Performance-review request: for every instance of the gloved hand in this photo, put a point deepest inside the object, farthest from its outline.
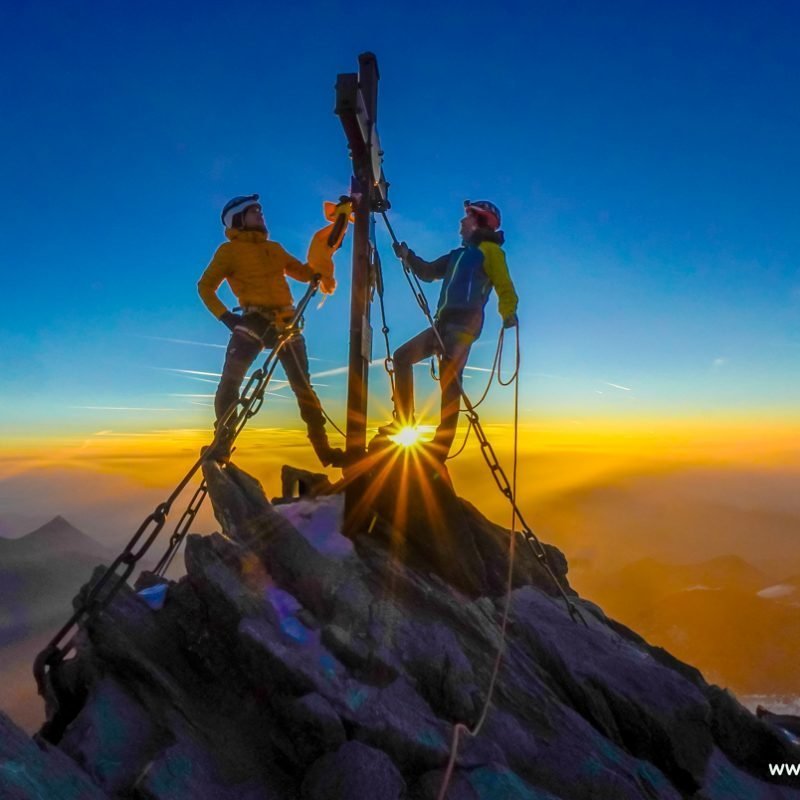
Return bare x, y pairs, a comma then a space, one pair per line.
401, 250
230, 320
510, 321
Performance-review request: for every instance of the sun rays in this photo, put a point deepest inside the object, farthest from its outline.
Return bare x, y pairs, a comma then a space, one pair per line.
408, 437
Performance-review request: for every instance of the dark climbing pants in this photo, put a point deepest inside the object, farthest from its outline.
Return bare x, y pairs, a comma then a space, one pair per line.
243, 350
457, 342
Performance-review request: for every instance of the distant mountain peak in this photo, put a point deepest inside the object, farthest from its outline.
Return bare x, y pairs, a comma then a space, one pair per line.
59, 535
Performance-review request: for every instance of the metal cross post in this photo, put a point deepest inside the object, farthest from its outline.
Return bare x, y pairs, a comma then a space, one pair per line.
357, 108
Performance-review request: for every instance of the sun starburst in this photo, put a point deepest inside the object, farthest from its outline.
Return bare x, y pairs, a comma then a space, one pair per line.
407, 437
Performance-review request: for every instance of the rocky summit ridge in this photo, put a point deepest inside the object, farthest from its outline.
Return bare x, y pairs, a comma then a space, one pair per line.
291, 662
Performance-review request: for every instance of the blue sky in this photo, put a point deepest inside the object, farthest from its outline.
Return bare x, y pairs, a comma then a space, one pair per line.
644, 157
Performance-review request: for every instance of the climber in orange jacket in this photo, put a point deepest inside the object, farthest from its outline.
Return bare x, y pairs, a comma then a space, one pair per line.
256, 269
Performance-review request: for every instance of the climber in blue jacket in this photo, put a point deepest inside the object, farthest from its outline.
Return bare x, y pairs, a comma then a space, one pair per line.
468, 275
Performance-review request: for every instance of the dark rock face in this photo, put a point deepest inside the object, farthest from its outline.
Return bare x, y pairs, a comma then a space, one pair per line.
352, 772
31, 769
293, 663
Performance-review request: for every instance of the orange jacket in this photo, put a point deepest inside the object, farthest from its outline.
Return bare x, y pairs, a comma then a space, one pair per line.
256, 270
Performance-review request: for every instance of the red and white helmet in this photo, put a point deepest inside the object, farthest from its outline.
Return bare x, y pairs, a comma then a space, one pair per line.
488, 213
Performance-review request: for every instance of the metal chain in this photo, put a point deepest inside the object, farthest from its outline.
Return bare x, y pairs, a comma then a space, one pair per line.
489, 454
504, 486
95, 602
388, 362
413, 281
251, 402
181, 529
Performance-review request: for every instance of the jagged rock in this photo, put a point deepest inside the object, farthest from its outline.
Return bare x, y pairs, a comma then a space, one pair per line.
112, 737
789, 723
301, 483
482, 783
31, 770
432, 654
423, 520
651, 711
749, 742
369, 663
248, 518
495, 780
313, 726
724, 781
287, 664
187, 769
354, 772
429, 785
491, 542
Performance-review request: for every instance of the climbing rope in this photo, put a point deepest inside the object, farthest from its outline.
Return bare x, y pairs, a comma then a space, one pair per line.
461, 727
515, 374
494, 371
460, 450
101, 594
333, 424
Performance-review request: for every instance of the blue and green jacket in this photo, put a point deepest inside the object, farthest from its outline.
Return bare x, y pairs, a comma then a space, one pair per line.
468, 274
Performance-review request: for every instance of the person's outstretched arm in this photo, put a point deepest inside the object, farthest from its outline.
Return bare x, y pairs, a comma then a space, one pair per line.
294, 267
425, 270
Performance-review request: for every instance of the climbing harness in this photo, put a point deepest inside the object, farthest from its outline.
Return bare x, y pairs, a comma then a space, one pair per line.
100, 595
